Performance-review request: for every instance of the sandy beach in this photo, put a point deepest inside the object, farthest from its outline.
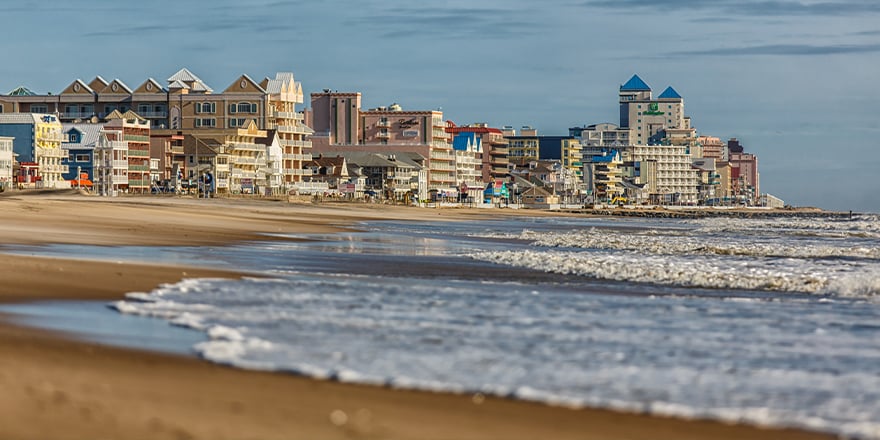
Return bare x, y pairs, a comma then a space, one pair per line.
55, 387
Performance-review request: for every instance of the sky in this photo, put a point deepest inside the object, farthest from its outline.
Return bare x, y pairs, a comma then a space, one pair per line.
795, 81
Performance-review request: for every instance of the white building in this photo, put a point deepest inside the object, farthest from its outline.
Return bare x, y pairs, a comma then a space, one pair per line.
7, 159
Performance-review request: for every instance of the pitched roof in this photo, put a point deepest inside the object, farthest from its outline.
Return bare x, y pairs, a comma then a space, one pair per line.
89, 132
184, 75
177, 84
669, 93
21, 91
635, 84
116, 86
462, 141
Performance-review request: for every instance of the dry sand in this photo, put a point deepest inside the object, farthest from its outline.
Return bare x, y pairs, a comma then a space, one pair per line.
52, 387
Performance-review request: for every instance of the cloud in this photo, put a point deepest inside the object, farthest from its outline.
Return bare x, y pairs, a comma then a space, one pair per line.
785, 50
775, 8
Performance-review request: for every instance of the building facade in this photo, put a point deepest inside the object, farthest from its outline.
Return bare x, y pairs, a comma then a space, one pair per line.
37, 142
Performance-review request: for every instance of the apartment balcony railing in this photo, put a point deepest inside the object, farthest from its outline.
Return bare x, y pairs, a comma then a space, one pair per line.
138, 153
154, 114
294, 143
54, 169
289, 115
300, 129
136, 138
300, 157
77, 115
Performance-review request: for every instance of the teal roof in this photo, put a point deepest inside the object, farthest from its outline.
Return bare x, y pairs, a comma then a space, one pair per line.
635, 84
21, 91
669, 93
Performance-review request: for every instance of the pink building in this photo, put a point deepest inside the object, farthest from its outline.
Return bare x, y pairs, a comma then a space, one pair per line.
744, 176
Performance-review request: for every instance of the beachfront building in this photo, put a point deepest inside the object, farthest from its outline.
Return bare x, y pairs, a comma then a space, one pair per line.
604, 176
712, 148
744, 177
166, 150
79, 144
340, 126
523, 147
135, 132
707, 177
566, 149
675, 180
283, 94
37, 142
184, 105
397, 175
7, 162
495, 149
468, 149
110, 162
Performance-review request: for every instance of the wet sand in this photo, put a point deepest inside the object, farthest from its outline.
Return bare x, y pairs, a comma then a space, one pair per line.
54, 387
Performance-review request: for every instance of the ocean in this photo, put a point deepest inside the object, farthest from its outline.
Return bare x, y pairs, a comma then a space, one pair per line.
768, 321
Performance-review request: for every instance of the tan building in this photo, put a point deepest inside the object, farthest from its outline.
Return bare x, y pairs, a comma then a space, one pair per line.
523, 147
186, 104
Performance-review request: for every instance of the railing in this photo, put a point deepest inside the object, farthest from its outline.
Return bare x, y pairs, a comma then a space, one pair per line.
136, 138
294, 143
138, 168
383, 124
54, 169
292, 128
139, 153
56, 137
246, 147
289, 115
300, 157
73, 115
160, 114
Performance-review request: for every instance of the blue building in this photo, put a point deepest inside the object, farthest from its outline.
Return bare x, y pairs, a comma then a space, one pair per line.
80, 147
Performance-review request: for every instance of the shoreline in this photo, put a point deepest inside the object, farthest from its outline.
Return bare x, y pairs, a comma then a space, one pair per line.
58, 387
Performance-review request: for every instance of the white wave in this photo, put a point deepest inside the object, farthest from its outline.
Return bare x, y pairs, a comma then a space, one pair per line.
693, 272
867, 226
671, 243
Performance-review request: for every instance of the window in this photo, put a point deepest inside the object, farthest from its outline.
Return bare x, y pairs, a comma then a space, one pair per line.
233, 122
144, 109
206, 122
73, 137
206, 107
244, 107
39, 108
1, 108
82, 157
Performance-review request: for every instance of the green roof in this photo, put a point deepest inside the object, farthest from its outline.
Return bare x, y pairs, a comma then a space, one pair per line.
21, 91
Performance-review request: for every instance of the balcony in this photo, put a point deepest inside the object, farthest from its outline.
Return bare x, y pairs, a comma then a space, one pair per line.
159, 114
289, 115
246, 147
138, 153
77, 115
383, 124
294, 143
383, 135
300, 157
136, 138
300, 129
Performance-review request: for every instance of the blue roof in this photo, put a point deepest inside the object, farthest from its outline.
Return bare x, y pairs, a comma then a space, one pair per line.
460, 141
669, 93
635, 84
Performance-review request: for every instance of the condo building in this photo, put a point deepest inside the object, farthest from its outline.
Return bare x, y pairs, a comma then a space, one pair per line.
495, 149
186, 104
523, 147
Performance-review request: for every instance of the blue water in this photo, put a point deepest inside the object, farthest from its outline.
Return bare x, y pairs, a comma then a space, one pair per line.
767, 321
